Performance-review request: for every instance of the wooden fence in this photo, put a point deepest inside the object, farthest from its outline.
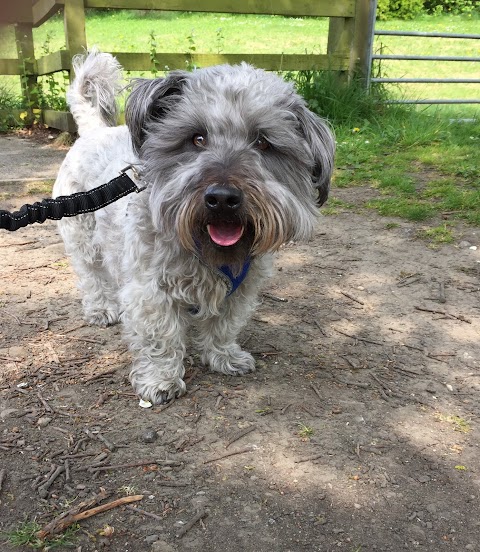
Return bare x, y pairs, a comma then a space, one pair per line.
349, 38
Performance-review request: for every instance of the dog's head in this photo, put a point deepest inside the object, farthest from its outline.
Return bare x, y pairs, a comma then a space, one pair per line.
237, 163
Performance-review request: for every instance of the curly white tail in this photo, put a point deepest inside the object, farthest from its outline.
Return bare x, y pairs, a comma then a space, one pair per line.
92, 97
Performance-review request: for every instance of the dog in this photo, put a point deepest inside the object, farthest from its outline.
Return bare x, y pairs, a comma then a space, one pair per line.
234, 166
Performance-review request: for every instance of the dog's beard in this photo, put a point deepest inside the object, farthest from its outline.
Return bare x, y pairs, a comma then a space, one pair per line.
262, 226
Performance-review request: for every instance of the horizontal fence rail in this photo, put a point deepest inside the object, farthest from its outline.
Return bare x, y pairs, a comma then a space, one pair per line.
349, 35
398, 57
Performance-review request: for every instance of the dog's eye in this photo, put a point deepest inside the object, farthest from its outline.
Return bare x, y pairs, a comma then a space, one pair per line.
261, 143
199, 140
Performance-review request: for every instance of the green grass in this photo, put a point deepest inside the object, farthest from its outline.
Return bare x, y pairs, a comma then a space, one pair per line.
128, 31
25, 534
417, 164
305, 431
420, 165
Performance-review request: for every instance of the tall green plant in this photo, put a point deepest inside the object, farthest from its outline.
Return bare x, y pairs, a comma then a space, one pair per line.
53, 87
338, 100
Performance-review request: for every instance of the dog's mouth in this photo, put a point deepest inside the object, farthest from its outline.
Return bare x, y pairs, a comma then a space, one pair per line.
225, 234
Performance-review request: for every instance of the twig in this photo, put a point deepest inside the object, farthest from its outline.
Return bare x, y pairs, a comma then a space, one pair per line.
43, 489
285, 408
144, 512
18, 243
241, 451
444, 313
275, 298
409, 282
240, 434
47, 407
309, 458
359, 338
317, 392
352, 297
353, 383
3, 476
196, 518
98, 376
79, 444
441, 293
169, 463
63, 522
110, 446
85, 339
381, 383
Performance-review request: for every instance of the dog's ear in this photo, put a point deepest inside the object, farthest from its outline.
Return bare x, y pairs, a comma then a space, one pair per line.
321, 140
149, 100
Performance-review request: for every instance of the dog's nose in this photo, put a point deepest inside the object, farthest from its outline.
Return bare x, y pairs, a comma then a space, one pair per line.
218, 198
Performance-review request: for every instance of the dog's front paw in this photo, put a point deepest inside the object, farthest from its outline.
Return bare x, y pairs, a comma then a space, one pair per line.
232, 361
150, 386
101, 317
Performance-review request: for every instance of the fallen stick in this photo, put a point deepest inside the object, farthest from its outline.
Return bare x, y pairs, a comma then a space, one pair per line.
316, 391
200, 515
240, 434
174, 463
241, 451
444, 313
45, 404
309, 458
110, 446
275, 298
84, 339
3, 475
357, 338
60, 524
43, 489
144, 512
352, 298
102, 495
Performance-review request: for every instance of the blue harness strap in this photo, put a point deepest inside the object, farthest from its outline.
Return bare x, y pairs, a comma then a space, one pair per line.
234, 282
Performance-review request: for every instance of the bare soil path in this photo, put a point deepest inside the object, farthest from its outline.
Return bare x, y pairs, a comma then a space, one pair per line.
358, 432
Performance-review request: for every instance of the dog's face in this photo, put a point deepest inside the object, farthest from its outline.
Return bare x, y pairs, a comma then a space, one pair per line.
234, 159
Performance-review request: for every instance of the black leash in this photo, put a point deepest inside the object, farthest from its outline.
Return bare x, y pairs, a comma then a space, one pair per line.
70, 206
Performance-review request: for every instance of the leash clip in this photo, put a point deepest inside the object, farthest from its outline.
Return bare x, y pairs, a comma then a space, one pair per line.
136, 176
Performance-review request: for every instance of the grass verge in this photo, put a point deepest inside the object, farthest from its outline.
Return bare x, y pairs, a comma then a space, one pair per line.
418, 165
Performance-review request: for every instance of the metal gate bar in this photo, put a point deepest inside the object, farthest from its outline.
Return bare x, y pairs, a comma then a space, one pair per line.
427, 58
433, 35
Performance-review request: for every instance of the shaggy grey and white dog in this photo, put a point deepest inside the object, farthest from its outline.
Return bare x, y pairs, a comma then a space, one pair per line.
234, 165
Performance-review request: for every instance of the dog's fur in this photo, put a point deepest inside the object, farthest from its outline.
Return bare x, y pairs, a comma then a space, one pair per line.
233, 161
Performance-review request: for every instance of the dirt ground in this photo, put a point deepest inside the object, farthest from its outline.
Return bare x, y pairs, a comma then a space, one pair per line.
358, 432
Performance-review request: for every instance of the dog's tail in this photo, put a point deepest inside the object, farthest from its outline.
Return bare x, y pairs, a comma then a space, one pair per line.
92, 96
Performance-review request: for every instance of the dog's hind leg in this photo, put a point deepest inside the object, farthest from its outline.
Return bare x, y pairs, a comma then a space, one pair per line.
99, 291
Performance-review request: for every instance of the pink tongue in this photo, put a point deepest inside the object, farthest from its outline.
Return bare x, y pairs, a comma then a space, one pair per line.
224, 233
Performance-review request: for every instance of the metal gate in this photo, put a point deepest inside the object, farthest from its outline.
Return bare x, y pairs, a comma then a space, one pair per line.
414, 57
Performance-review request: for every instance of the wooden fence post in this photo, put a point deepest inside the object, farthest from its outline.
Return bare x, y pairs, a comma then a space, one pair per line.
74, 24
26, 60
364, 28
340, 41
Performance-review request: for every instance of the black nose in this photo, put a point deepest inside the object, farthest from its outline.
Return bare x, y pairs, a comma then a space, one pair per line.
218, 198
